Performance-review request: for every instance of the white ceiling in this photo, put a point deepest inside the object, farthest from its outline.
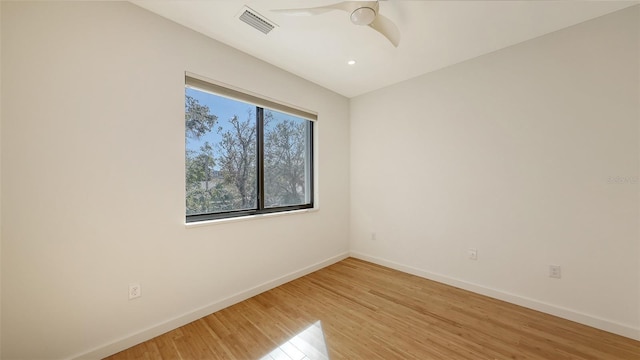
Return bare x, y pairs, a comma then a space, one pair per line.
435, 34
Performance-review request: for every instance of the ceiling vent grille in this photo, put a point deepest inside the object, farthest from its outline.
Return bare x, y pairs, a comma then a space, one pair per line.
256, 21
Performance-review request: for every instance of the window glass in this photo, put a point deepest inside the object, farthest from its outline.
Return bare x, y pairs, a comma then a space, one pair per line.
286, 159
242, 159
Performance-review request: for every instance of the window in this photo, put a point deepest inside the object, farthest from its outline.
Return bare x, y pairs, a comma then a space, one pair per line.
244, 155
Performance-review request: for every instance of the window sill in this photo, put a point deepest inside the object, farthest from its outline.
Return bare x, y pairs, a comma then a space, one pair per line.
246, 218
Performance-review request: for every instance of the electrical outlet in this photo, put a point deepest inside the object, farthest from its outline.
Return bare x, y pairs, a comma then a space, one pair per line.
555, 271
473, 254
374, 236
134, 291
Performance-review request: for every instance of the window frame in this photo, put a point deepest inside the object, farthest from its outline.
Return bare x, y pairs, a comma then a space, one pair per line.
261, 103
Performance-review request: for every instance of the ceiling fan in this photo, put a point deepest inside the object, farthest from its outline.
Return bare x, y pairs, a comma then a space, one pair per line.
363, 13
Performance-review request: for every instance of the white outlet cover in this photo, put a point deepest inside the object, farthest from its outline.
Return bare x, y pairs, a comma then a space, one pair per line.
134, 291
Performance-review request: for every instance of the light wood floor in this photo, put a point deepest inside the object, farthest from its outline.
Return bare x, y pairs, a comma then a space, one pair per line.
371, 312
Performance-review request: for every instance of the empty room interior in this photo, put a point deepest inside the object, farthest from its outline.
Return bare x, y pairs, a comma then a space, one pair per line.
268, 179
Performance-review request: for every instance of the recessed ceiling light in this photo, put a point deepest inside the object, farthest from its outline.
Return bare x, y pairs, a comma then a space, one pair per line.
351, 62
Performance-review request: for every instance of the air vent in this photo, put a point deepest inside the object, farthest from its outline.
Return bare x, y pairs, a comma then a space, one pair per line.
256, 21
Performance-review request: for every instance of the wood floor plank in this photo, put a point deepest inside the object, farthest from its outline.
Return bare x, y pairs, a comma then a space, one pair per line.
165, 348
371, 312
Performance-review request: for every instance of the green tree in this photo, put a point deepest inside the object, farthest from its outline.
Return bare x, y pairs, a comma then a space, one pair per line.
285, 162
237, 159
198, 118
199, 176
202, 193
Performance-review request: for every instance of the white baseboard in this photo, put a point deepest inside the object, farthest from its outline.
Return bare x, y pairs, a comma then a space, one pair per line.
170, 324
589, 320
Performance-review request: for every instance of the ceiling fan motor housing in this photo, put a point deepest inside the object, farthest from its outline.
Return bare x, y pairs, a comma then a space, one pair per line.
363, 16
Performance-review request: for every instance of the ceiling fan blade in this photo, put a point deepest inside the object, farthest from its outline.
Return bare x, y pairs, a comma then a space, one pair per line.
386, 27
304, 11
347, 6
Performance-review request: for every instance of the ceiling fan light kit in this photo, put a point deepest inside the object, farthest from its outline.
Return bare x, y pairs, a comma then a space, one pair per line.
363, 13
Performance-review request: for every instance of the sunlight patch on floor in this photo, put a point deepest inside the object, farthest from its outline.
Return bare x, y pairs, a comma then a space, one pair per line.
309, 344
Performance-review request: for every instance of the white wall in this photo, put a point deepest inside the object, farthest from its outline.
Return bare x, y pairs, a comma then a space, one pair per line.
0, 180
512, 153
93, 181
